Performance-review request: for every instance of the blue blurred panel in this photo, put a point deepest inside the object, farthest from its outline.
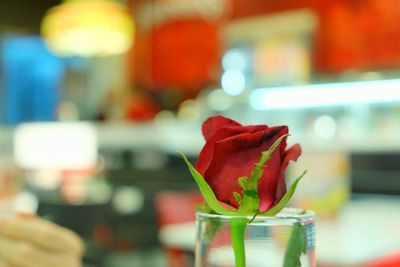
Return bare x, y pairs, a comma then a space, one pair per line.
32, 80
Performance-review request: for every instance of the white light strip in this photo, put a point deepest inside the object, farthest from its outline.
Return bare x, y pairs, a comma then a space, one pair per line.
321, 95
55, 145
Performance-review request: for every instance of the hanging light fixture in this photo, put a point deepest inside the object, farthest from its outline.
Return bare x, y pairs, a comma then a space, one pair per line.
88, 28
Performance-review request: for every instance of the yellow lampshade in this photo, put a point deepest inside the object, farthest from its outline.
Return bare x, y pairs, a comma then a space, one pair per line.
88, 28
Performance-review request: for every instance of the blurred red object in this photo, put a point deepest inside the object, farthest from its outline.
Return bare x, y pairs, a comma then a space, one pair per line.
103, 235
174, 208
339, 45
358, 35
378, 21
391, 260
141, 109
181, 54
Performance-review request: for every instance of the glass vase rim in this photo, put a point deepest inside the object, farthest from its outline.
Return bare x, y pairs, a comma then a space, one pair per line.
285, 213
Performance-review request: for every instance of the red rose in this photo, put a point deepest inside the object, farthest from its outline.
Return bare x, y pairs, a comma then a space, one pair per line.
232, 150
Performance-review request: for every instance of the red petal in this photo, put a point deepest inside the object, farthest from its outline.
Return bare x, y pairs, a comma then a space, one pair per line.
267, 186
213, 124
233, 157
207, 153
292, 153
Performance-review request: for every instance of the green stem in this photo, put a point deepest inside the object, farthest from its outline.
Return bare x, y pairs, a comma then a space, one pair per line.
238, 228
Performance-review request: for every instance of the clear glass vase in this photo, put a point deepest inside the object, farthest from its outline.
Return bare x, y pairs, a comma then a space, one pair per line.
284, 240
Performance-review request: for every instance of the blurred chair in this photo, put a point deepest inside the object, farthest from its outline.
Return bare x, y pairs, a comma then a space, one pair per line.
173, 207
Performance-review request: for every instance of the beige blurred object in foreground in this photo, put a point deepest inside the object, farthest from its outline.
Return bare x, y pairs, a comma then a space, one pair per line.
28, 241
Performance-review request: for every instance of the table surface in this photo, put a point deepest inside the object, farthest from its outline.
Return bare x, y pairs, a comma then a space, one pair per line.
364, 230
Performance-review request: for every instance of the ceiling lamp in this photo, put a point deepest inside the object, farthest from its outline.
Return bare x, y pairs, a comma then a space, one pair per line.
88, 28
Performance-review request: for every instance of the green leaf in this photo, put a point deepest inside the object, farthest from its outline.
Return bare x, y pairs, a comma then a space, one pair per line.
295, 247
206, 190
285, 199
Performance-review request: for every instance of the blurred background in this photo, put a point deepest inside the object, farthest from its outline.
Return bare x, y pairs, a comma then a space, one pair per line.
97, 95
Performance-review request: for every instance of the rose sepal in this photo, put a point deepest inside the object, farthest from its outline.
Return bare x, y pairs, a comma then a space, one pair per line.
206, 190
